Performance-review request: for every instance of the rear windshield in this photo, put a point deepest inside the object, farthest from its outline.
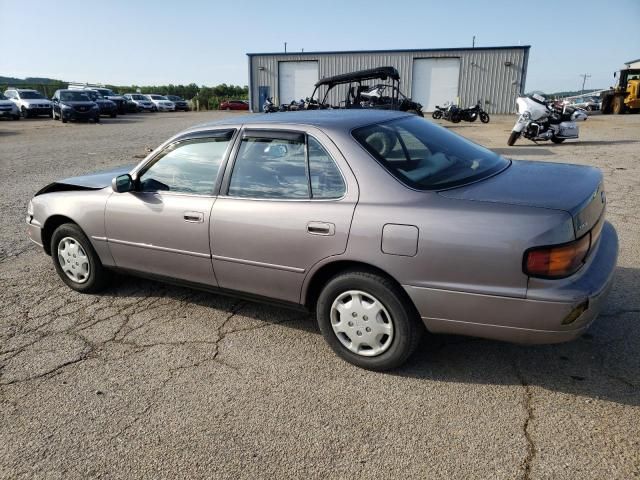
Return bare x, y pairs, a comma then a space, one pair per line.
425, 156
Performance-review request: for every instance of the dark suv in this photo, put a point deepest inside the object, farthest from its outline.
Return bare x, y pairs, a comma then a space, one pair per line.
181, 103
74, 105
106, 106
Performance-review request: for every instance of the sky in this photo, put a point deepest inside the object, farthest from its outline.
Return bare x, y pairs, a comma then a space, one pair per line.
205, 42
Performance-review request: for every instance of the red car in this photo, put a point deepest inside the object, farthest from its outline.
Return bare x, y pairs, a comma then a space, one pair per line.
234, 105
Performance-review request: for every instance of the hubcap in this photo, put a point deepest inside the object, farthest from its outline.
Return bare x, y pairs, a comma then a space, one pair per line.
361, 323
73, 260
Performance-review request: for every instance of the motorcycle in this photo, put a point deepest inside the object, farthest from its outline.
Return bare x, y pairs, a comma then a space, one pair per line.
269, 106
542, 120
471, 114
449, 112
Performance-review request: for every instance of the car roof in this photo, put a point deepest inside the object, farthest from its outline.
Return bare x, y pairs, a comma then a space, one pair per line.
333, 119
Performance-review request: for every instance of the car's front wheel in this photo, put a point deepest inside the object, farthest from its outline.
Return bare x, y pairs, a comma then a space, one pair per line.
75, 260
368, 321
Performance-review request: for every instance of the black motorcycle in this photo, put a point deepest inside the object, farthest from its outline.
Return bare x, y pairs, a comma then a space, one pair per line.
471, 114
449, 112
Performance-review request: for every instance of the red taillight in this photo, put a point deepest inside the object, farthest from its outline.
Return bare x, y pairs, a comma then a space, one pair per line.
557, 261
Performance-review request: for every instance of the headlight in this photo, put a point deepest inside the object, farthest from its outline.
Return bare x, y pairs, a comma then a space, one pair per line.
526, 115
64, 106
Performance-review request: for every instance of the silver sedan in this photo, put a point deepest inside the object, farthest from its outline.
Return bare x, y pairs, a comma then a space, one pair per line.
382, 223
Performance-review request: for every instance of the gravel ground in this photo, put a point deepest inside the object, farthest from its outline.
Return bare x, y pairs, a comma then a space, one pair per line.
152, 381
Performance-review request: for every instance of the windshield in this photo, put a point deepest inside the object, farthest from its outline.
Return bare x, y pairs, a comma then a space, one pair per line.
93, 95
158, 97
426, 156
138, 97
75, 96
2, 97
31, 95
174, 98
105, 92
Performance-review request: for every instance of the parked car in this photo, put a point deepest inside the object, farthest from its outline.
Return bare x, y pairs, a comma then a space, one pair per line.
31, 103
234, 105
382, 223
142, 103
8, 109
161, 103
591, 104
179, 102
105, 92
74, 105
107, 107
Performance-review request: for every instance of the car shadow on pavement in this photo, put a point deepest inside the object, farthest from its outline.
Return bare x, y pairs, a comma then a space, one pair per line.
598, 142
601, 364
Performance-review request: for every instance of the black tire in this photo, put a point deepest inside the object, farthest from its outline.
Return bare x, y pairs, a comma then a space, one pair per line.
64, 120
456, 117
407, 326
15, 117
618, 105
96, 119
113, 115
437, 114
24, 112
484, 117
557, 140
512, 138
97, 278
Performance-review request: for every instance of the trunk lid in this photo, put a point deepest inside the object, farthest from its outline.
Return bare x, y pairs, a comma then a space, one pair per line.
576, 189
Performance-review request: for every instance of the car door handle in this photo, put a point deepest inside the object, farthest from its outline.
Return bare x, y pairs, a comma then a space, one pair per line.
193, 217
321, 228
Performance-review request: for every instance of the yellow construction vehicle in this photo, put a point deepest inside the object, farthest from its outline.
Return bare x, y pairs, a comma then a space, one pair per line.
625, 96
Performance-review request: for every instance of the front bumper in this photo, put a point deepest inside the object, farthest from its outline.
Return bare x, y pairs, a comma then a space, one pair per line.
536, 319
9, 113
72, 114
35, 112
34, 231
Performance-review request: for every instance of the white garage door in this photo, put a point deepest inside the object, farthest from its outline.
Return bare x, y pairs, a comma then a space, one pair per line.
435, 81
296, 80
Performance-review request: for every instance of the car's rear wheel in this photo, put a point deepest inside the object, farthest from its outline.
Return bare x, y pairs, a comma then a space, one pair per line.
368, 321
75, 260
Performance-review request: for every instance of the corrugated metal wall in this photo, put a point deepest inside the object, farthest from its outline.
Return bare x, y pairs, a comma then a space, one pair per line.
483, 73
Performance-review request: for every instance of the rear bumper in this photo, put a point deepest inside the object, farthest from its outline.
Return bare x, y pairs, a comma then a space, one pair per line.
536, 319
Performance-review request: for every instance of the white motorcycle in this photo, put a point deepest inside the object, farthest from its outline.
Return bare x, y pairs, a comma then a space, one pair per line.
540, 120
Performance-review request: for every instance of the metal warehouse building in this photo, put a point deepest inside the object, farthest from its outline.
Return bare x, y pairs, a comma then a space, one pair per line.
494, 75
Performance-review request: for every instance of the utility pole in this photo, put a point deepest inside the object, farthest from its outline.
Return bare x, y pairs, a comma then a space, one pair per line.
285, 47
473, 44
584, 79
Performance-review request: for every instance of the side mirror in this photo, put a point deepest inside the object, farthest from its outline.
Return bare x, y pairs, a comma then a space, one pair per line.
123, 183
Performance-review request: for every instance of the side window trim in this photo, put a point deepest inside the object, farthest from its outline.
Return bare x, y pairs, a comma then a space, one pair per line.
231, 132
234, 151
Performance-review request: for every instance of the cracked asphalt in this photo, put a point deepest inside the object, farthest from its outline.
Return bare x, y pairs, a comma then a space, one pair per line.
152, 381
